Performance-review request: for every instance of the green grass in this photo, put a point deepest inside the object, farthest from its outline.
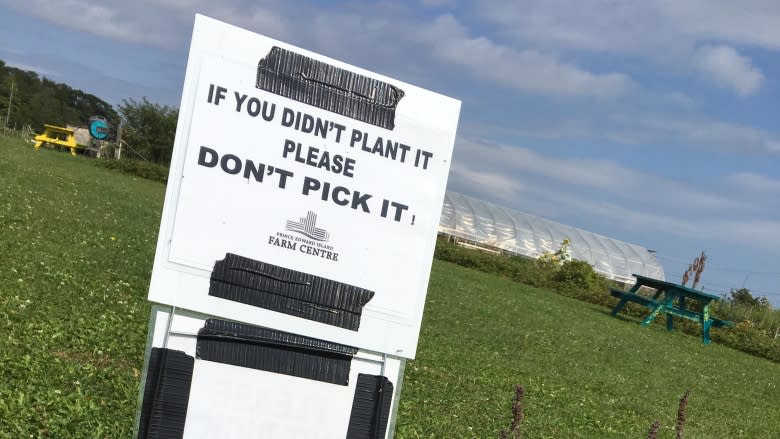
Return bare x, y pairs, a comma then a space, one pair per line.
76, 253
586, 374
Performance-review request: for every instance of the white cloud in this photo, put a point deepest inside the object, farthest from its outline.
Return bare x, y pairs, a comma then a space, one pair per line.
662, 26
528, 70
726, 67
437, 3
620, 199
707, 133
604, 177
747, 231
487, 183
755, 182
664, 32
159, 23
104, 19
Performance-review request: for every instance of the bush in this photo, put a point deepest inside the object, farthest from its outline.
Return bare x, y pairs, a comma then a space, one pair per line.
575, 275
755, 326
148, 170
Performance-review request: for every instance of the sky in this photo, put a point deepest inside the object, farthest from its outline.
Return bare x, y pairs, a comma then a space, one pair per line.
652, 122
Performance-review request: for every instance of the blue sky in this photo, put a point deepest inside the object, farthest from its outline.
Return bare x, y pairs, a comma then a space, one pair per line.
653, 122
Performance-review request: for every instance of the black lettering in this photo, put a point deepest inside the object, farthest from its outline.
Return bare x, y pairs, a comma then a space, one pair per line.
239, 101
253, 107
336, 164
391, 149
283, 175
360, 200
308, 123
288, 117
378, 146
310, 184
427, 155
349, 167
325, 161
321, 129
221, 93
339, 129
224, 163
338, 200
399, 208
357, 136
311, 156
250, 169
404, 150
268, 115
212, 159
289, 146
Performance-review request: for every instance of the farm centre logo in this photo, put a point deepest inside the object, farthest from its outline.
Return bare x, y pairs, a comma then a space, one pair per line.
307, 226
313, 241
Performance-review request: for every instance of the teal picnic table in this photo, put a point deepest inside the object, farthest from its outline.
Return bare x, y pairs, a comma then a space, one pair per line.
671, 299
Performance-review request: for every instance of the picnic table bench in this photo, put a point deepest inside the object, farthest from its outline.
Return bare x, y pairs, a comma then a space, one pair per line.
670, 299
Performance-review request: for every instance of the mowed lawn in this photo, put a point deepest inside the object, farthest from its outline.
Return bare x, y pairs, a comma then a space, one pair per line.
586, 374
76, 253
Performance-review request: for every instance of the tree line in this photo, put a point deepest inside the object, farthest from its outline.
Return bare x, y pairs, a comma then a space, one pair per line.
148, 128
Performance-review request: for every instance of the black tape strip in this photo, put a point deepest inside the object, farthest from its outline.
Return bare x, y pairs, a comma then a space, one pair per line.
166, 395
331, 88
292, 292
370, 408
274, 351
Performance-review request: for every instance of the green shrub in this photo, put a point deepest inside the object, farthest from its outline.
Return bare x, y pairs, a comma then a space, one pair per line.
755, 326
575, 275
140, 168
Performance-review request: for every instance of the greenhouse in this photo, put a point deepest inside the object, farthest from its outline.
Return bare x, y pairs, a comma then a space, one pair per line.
489, 227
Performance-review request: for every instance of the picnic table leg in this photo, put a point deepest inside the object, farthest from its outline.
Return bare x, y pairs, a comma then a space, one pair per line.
618, 307
653, 314
669, 321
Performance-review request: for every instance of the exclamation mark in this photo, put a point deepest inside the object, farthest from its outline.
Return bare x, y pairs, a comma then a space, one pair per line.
413, 216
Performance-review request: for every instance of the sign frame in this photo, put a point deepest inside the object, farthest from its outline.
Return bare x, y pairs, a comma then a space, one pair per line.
180, 276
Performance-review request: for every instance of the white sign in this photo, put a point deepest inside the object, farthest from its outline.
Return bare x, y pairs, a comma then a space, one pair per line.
286, 177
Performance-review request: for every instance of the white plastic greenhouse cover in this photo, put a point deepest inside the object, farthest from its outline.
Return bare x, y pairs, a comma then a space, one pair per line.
494, 226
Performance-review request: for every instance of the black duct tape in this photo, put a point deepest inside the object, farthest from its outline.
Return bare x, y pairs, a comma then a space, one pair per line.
331, 88
274, 351
268, 286
370, 408
166, 395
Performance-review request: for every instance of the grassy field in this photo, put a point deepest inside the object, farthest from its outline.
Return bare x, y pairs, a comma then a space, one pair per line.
75, 257
76, 252
586, 374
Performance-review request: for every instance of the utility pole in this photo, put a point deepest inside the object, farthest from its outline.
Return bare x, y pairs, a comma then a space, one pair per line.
10, 101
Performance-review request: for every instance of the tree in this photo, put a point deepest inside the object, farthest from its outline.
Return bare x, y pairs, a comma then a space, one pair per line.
149, 128
38, 100
743, 296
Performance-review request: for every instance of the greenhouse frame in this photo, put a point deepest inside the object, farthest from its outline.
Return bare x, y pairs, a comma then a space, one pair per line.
489, 227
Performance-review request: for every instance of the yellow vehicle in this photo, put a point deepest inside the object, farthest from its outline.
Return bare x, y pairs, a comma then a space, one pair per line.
57, 136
